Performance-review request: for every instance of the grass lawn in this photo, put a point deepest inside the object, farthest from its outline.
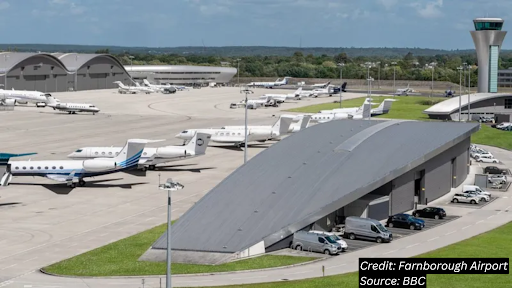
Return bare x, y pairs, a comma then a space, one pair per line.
411, 108
120, 259
493, 244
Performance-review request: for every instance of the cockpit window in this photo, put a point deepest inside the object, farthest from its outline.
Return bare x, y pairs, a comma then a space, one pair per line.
185, 132
78, 151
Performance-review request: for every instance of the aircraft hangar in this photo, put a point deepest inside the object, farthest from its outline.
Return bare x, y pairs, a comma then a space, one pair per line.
56, 72
316, 178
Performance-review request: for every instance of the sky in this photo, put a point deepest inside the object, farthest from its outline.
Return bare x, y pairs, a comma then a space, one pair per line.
439, 24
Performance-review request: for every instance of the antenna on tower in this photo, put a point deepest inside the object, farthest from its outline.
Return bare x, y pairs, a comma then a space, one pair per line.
204, 47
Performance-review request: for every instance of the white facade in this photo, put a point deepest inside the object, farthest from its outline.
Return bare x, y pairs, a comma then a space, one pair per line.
176, 74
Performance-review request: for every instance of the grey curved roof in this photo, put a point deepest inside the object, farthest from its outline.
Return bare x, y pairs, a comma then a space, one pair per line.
75, 61
10, 59
305, 177
179, 68
451, 105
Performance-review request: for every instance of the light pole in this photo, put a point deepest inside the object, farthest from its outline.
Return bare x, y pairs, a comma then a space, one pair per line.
370, 79
378, 65
394, 74
368, 65
460, 90
238, 74
469, 92
432, 66
131, 67
169, 186
246, 91
341, 78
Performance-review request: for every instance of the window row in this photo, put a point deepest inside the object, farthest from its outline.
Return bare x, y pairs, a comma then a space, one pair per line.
38, 168
187, 72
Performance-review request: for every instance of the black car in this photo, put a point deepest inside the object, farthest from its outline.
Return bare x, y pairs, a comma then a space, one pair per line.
430, 212
493, 170
405, 221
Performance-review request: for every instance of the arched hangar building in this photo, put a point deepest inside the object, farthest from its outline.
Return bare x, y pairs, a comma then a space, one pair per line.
55, 72
316, 178
178, 74
478, 104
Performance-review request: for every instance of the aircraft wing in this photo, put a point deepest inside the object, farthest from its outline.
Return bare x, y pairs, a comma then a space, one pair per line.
229, 139
57, 177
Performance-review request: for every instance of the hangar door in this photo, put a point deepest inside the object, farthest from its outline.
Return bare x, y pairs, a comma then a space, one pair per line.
379, 209
98, 80
35, 82
13, 82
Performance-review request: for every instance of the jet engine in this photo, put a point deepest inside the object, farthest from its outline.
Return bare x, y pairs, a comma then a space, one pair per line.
171, 152
21, 102
41, 104
9, 102
96, 165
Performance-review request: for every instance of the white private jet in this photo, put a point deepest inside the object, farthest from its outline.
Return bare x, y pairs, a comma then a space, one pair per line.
72, 172
322, 91
321, 85
151, 156
301, 124
280, 98
163, 87
406, 91
12, 97
123, 89
270, 84
71, 108
237, 136
326, 117
383, 108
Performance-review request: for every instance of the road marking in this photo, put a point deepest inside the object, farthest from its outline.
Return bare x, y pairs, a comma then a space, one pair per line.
300, 272
433, 239
3, 284
97, 227
466, 227
412, 245
9, 266
332, 267
389, 252
150, 218
103, 234
490, 217
449, 233
479, 221
29, 260
194, 281
505, 197
254, 277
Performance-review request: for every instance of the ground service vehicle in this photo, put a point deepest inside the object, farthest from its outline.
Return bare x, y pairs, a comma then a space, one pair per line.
315, 242
365, 228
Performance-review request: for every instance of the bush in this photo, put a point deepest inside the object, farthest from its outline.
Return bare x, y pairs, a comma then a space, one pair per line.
430, 102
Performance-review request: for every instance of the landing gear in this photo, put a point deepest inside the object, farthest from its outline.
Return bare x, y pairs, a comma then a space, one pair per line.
152, 167
81, 183
240, 145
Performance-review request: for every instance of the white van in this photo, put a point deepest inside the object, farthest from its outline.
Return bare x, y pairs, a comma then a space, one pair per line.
340, 241
366, 228
315, 242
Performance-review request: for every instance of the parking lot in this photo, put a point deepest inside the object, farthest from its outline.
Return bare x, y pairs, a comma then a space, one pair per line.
398, 233
473, 206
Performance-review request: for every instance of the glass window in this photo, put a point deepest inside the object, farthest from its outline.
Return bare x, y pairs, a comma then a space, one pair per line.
110, 153
508, 103
374, 229
61, 167
46, 167
78, 151
145, 153
38, 167
96, 153
17, 168
321, 240
330, 239
382, 228
102, 153
53, 167
24, 168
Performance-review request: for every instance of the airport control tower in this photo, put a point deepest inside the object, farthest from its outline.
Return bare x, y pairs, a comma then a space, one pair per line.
488, 38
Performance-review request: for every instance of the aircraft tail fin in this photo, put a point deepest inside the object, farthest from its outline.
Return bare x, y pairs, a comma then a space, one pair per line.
146, 82
120, 84
282, 125
50, 100
386, 105
304, 122
137, 84
367, 110
298, 91
131, 152
198, 143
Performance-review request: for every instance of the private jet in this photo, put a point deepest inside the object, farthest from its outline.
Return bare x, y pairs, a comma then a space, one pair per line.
302, 122
383, 108
321, 85
151, 156
71, 108
163, 88
326, 117
237, 136
73, 172
280, 98
278, 82
123, 89
13, 97
324, 91
406, 91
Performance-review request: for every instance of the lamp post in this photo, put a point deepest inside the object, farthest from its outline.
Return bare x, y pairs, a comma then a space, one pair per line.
469, 92
131, 67
370, 79
378, 65
238, 73
169, 186
341, 78
394, 74
460, 90
432, 66
246, 91
368, 65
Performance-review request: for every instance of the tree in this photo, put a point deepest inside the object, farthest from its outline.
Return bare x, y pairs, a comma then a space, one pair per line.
341, 58
102, 51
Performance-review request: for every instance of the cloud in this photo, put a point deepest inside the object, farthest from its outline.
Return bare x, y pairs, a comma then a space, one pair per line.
75, 9
430, 9
210, 7
4, 5
388, 4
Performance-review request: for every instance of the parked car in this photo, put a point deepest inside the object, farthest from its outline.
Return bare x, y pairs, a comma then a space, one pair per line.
487, 159
405, 221
340, 241
430, 212
465, 198
493, 170
366, 228
482, 154
481, 197
501, 179
315, 242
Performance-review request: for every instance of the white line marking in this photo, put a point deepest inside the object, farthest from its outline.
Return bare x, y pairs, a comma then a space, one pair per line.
107, 234
150, 218
97, 227
412, 245
505, 197
195, 281
332, 267
466, 227
479, 221
33, 259
300, 272
433, 239
449, 233
389, 252
254, 277
9, 266
490, 217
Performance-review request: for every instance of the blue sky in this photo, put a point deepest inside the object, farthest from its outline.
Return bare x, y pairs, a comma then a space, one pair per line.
319, 23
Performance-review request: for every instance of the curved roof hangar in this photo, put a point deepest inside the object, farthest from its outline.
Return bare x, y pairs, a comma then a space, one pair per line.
451, 105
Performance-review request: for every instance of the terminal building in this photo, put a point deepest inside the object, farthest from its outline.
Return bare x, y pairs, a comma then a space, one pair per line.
183, 75
56, 72
316, 178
